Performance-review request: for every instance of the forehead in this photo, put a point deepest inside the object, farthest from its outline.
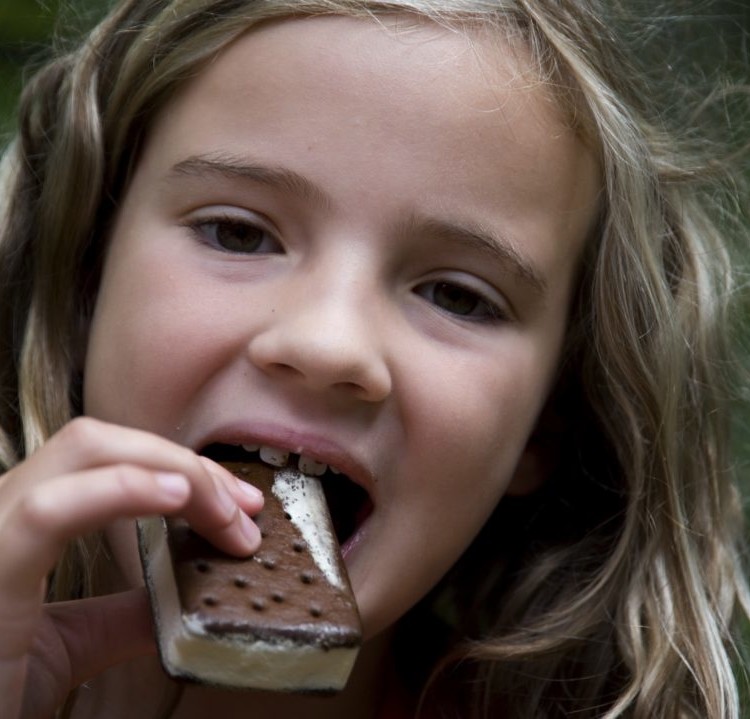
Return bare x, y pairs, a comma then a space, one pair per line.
398, 113
475, 66
400, 73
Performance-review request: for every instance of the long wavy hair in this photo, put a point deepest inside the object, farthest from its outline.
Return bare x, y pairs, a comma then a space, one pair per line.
615, 590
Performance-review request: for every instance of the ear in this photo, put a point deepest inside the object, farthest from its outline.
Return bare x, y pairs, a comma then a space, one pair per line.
542, 454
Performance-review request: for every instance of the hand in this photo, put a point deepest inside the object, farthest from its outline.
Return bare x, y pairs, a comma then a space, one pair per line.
87, 475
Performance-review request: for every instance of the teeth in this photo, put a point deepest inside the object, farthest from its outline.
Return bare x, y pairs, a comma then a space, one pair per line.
273, 456
280, 457
311, 467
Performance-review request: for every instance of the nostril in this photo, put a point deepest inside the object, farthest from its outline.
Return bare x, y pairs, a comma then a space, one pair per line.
346, 363
283, 369
352, 388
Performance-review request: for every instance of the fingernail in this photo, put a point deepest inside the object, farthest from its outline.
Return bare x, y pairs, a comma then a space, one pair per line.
249, 490
173, 484
249, 529
226, 500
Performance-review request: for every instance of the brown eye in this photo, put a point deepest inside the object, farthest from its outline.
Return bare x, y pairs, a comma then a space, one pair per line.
231, 235
240, 237
460, 301
455, 299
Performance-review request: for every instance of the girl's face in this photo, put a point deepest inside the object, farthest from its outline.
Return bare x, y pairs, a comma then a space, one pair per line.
354, 241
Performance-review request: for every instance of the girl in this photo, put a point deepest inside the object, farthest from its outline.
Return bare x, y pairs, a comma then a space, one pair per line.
443, 247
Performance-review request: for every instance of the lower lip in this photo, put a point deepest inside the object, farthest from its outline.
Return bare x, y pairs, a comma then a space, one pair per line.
350, 546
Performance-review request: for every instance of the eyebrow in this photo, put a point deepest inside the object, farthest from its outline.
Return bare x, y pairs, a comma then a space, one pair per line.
231, 167
497, 249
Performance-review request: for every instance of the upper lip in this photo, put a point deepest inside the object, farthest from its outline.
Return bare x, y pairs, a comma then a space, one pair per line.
312, 445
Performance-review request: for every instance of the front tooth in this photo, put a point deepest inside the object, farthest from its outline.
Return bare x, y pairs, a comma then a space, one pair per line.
251, 447
274, 456
311, 467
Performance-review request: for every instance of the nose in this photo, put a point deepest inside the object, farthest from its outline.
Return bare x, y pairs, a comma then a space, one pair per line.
324, 343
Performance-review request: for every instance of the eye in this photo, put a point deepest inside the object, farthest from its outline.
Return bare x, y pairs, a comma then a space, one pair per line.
461, 301
235, 235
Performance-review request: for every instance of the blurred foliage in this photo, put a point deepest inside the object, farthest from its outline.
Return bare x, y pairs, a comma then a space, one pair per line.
709, 33
28, 29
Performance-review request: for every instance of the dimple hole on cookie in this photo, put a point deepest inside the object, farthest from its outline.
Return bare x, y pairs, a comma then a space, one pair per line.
269, 563
299, 546
258, 604
316, 611
241, 583
307, 578
210, 601
277, 597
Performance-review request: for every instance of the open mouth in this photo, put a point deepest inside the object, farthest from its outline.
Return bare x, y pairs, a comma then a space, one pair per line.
348, 503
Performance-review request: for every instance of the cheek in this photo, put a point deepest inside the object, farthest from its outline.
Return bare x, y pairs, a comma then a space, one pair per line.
474, 415
153, 340
481, 409
468, 427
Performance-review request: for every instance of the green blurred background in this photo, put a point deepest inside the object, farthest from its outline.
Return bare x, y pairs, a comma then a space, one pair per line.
26, 31
716, 34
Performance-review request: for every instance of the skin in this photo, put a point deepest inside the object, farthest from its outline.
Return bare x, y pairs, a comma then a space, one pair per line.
363, 322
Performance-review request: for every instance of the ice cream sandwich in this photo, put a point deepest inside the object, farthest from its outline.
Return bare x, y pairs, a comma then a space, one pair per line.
284, 619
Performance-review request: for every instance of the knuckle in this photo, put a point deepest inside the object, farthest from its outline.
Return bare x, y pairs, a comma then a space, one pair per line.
35, 510
128, 479
215, 527
81, 433
227, 520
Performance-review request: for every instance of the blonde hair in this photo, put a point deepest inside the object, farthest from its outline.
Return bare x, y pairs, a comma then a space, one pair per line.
623, 596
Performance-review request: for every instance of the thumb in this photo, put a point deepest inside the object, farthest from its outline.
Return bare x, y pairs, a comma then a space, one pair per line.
103, 631
82, 638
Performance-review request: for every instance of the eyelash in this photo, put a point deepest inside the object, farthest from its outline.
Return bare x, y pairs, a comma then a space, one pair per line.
492, 312
208, 229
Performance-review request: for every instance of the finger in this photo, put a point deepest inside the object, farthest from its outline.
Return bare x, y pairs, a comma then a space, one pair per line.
42, 519
218, 510
32, 534
78, 640
219, 507
249, 498
87, 443
101, 632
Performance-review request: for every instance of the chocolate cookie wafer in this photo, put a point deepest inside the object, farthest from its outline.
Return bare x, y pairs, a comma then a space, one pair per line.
284, 619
